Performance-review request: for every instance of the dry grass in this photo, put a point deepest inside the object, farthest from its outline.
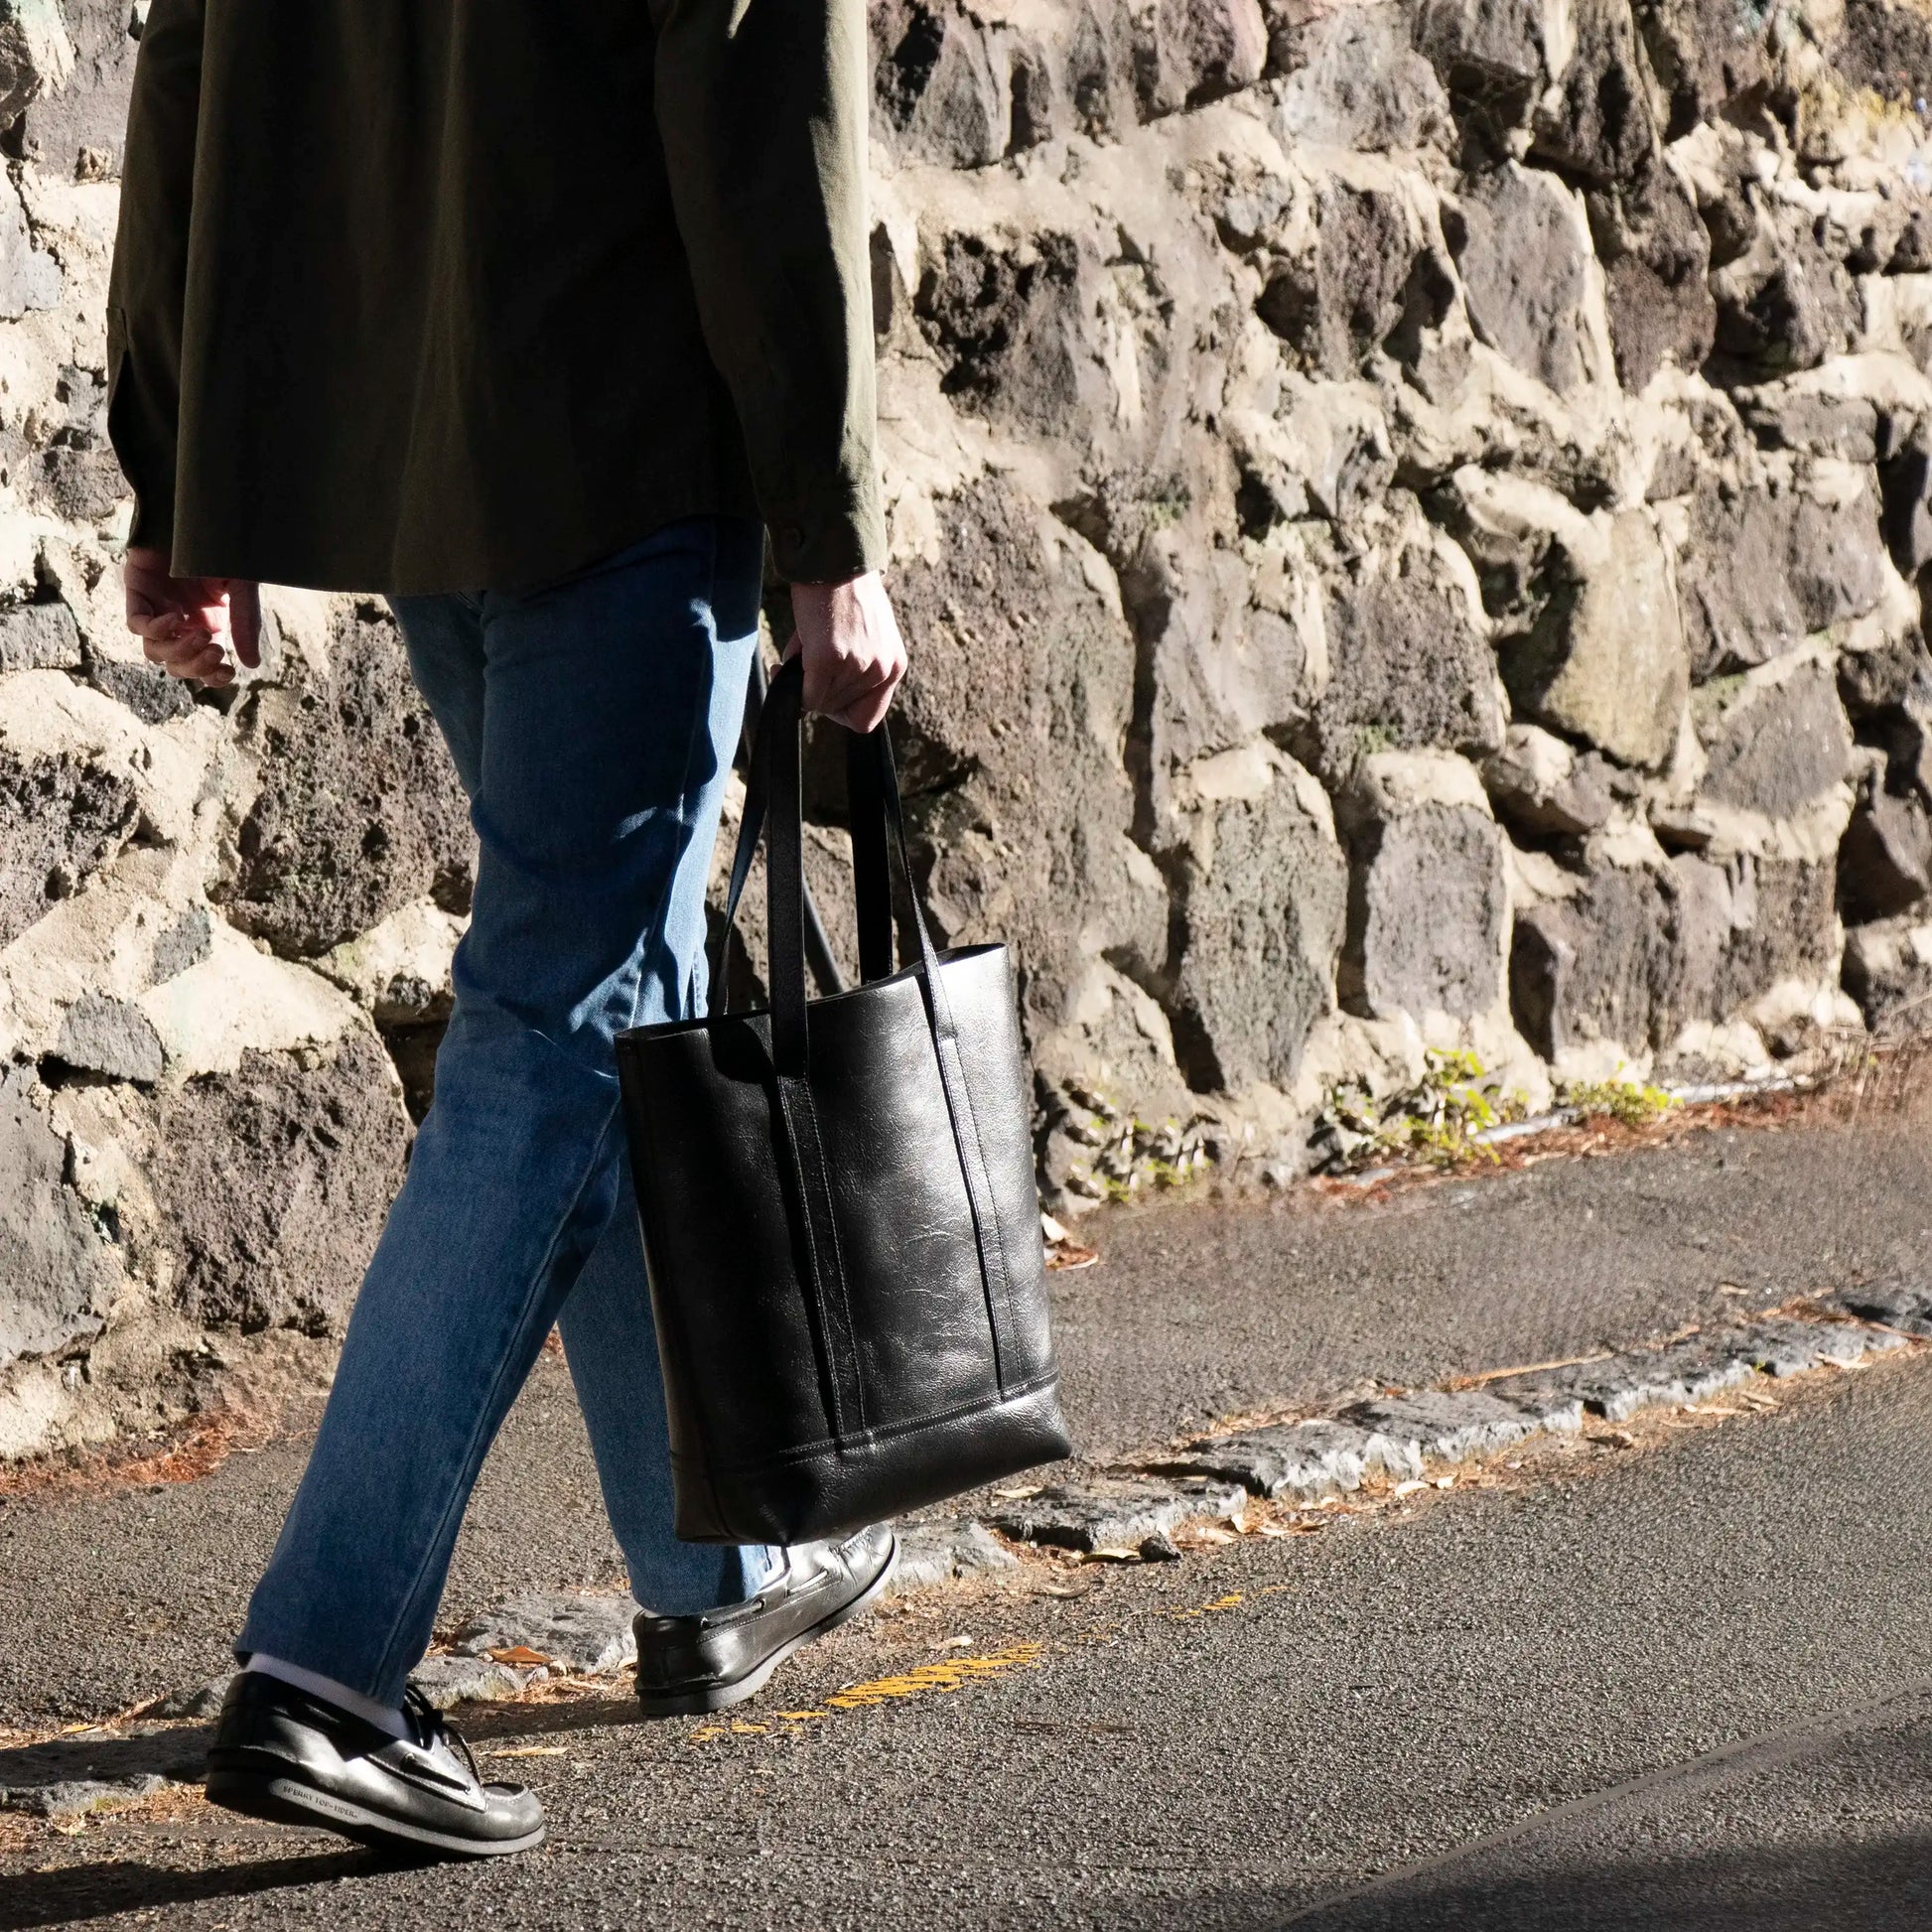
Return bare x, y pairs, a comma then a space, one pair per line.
190, 1449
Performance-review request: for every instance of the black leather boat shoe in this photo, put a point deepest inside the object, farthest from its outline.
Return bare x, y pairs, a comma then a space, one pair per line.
284, 1755
709, 1662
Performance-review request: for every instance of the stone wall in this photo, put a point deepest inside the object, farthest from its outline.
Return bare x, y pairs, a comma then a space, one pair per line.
1408, 514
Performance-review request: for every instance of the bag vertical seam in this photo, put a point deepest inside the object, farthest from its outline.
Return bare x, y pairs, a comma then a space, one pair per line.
979, 1197
838, 1255
818, 1311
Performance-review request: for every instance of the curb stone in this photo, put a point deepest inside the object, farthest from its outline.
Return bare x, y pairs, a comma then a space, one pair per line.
1115, 1512
1617, 1388
578, 1631
1443, 1427
1904, 1305
943, 1552
78, 1797
204, 1701
1319, 1457
450, 1680
1780, 1346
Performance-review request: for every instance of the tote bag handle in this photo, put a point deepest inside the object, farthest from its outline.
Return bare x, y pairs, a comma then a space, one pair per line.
877, 818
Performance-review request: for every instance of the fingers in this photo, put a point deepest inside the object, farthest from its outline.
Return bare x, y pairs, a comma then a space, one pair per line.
246, 622
853, 654
193, 655
868, 712
184, 623
847, 689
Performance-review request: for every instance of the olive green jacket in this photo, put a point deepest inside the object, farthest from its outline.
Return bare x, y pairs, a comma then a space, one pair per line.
431, 295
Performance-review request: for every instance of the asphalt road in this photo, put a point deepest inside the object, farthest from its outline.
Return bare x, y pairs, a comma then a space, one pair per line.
1196, 1312
1534, 1675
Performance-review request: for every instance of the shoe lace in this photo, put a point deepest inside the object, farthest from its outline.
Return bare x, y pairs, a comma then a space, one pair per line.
432, 1727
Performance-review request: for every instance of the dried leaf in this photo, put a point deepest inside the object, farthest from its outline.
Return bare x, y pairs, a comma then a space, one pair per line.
1069, 1254
520, 1654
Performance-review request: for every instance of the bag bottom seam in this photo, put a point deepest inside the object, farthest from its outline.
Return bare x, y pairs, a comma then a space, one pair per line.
871, 1439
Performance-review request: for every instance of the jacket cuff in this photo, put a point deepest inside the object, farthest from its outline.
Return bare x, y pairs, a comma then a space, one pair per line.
154, 524
829, 543
141, 430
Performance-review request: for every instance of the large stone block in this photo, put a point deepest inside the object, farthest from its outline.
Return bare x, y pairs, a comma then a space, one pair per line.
57, 1276
321, 1140
1656, 258
1905, 485
360, 809
1704, 53
30, 277
1354, 80
1770, 564
1010, 324
1885, 861
39, 638
1494, 57
1886, 47
1427, 889
1523, 253
1634, 953
1189, 51
1260, 897
1374, 277
34, 54
1407, 667
109, 1036
77, 123
78, 475
1888, 972
62, 815
1786, 303
1070, 71
1605, 659
1783, 925
1597, 121
1598, 965
942, 84
1545, 786
1776, 741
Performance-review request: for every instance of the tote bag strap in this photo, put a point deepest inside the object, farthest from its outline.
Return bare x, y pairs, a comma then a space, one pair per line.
773, 792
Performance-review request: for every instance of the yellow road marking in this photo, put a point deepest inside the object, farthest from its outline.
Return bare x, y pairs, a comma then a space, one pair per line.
944, 1677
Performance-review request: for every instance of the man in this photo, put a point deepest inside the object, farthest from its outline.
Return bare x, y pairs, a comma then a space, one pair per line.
529, 315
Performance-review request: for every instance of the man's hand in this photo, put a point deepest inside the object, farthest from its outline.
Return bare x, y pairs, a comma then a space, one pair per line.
853, 656
186, 623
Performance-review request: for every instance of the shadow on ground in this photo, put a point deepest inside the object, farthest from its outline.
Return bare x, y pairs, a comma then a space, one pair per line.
76, 1893
1879, 1885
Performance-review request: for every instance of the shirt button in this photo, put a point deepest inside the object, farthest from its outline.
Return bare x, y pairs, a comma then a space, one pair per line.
795, 537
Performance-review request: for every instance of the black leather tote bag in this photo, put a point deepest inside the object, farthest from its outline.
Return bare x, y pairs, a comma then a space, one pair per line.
838, 1206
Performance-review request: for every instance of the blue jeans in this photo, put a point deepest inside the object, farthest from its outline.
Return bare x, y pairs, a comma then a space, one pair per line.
592, 723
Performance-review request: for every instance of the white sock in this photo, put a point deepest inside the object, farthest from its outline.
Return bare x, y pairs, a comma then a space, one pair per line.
384, 1716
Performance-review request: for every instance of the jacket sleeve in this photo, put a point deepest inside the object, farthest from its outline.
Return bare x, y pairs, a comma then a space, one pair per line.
147, 289
762, 106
